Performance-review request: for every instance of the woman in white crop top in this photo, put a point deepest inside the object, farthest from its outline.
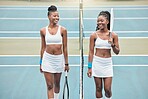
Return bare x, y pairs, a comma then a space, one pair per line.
100, 60
54, 54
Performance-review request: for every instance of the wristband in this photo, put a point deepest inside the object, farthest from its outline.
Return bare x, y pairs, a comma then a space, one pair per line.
89, 65
40, 61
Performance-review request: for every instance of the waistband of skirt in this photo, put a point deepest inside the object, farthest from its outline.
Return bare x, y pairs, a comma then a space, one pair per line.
52, 54
101, 58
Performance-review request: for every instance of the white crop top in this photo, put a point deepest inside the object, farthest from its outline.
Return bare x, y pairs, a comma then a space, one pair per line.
53, 39
102, 44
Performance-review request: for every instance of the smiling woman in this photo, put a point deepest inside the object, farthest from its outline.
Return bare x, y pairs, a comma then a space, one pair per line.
53, 52
100, 62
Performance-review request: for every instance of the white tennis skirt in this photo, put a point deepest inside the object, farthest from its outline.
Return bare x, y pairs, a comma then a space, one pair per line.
52, 63
102, 67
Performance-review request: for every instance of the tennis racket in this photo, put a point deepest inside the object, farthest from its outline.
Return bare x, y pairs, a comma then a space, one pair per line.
111, 26
111, 21
66, 87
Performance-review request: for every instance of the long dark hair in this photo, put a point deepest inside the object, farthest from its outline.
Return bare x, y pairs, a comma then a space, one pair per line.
107, 15
52, 8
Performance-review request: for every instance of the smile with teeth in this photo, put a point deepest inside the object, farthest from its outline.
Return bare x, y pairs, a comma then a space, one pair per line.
56, 20
100, 25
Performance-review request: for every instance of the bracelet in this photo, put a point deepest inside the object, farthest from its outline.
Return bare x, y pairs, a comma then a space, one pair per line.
40, 61
67, 64
89, 65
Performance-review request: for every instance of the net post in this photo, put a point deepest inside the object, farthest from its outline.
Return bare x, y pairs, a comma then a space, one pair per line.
81, 47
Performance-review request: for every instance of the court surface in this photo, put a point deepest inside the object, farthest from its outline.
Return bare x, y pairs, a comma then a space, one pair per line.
20, 47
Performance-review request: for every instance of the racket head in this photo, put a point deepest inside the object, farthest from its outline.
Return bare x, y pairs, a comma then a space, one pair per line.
66, 87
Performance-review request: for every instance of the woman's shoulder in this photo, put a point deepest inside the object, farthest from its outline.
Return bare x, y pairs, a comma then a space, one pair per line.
93, 34
63, 29
43, 30
114, 34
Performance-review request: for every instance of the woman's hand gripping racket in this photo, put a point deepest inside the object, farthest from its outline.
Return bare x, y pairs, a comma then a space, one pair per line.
66, 87
111, 27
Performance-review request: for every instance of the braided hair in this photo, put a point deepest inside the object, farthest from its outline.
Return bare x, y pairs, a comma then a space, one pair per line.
107, 15
52, 8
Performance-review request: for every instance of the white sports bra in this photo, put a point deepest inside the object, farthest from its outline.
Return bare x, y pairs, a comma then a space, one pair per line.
102, 44
53, 39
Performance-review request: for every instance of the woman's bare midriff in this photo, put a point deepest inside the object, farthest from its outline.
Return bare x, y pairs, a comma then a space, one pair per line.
104, 53
54, 49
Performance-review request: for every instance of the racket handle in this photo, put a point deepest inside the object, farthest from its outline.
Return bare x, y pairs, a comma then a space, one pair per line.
66, 73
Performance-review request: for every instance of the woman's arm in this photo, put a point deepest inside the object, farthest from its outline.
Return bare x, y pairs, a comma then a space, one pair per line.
91, 48
90, 55
65, 51
43, 44
115, 45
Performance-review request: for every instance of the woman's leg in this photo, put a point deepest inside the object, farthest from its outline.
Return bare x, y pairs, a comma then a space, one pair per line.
57, 78
49, 81
98, 82
107, 87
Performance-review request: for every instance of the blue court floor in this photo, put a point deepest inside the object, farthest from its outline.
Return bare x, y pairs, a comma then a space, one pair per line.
20, 78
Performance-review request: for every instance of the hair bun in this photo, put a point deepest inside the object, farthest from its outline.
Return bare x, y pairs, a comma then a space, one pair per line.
52, 8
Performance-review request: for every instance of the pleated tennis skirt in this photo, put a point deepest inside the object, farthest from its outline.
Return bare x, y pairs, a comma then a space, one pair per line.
52, 63
102, 67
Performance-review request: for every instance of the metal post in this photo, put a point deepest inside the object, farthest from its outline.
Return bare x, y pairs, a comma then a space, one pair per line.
81, 47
